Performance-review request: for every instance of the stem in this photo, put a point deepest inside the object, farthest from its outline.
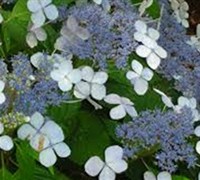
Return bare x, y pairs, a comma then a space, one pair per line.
95, 104
161, 14
73, 101
145, 164
53, 52
2, 164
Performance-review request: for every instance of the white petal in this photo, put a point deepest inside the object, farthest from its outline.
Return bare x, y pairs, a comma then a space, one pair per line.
113, 153
153, 61
62, 150
149, 176
66, 67
198, 30
31, 40
131, 110
185, 6
160, 51
47, 157
118, 166
149, 42
198, 147
147, 74
37, 120
26, 132
36, 59
33, 5
39, 142
165, 99
2, 98
38, 18
75, 76
141, 26
40, 34
107, 174
175, 5
82, 33
98, 1
2, 85
183, 101
153, 33
53, 132
117, 112
197, 131
185, 23
87, 73
143, 51
131, 75
164, 176
57, 75
112, 99
137, 67
60, 44
106, 5
193, 103
100, 77
1, 128
126, 101
51, 12
72, 23
82, 90
98, 91
140, 86
45, 2
138, 36
93, 166
65, 85
6, 143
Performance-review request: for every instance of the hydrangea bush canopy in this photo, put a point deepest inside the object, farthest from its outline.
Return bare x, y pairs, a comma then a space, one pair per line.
99, 89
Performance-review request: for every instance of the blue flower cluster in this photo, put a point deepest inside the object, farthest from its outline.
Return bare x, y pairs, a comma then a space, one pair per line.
28, 89
167, 131
111, 33
182, 63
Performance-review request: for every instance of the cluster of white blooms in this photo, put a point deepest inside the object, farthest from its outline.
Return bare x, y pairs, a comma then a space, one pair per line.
71, 32
181, 8
148, 175
139, 77
148, 48
182, 102
124, 106
92, 84
34, 35
40, 11
114, 164
46, 137
66, 76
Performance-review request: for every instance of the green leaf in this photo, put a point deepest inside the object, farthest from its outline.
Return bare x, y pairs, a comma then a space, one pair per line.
89, 138
5, 174
26, 162
86, 134
63, 2
179, 178
14, 28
